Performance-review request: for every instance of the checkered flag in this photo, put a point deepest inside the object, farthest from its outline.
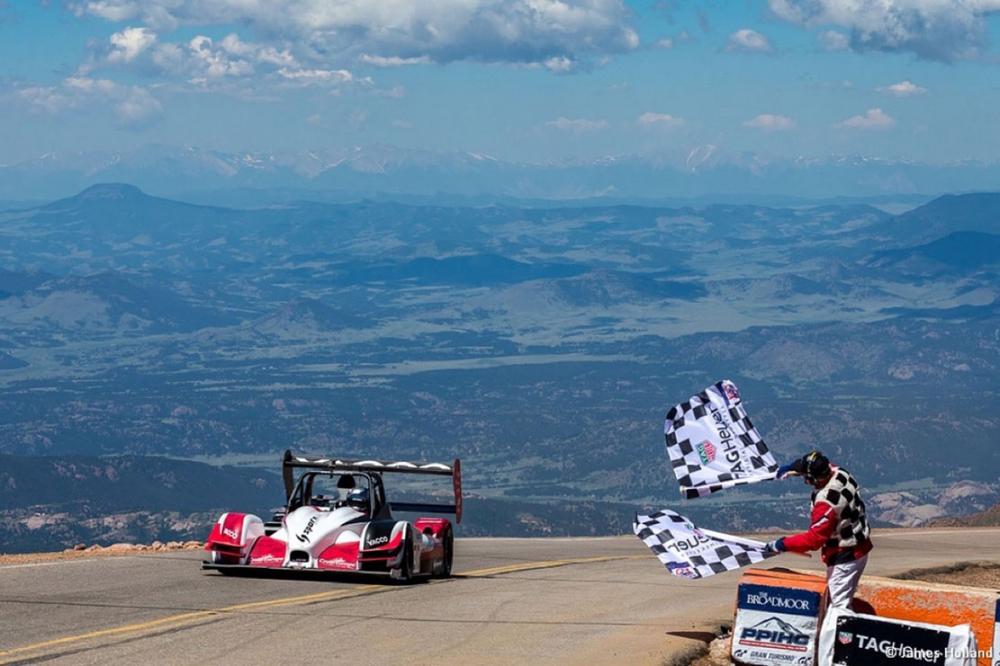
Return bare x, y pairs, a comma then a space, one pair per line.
713, 445
690, 552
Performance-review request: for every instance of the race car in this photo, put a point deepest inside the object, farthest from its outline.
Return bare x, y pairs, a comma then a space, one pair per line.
336, 518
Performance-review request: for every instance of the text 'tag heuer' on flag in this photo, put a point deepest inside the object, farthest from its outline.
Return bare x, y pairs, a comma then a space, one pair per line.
713, 445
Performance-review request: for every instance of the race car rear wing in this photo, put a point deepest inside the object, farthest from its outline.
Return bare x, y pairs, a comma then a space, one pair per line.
291, 461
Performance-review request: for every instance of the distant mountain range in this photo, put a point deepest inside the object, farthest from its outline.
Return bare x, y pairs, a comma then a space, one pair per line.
348, 174
959, 250
541, 344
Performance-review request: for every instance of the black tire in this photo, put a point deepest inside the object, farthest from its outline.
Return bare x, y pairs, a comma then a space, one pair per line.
449, 555
224, 558
406, 566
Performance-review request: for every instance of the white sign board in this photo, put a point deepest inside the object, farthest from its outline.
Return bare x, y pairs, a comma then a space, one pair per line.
852, 639
775, 626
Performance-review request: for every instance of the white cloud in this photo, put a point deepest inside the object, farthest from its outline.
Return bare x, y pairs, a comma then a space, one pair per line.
234, 46
327, 34
749, 41
129, 43
134, 106
393, 61
831, 40
577, 124
316, 76
664, 43
315, 42
872, 119
770, 122
903, 89
48, 99
87, 85
226, 63
651, 119
216, 62
934, 29
110, 10
559, 64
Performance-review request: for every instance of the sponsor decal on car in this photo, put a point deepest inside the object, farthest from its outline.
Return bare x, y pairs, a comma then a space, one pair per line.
304, 537
232, 534
378, 541
267, 558
731, 392
336, 563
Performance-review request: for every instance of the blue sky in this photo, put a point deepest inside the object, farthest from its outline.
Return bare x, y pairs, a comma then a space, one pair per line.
520, 79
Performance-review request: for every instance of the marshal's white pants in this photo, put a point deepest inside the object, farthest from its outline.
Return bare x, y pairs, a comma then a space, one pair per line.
842, 581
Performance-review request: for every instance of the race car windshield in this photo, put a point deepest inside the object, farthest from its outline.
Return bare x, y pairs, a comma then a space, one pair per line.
332, 490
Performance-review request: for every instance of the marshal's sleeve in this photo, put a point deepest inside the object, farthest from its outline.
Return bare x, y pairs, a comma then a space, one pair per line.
824, 522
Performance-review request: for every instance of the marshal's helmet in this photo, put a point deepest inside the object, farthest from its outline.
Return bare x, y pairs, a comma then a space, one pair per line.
357, 499
813, 466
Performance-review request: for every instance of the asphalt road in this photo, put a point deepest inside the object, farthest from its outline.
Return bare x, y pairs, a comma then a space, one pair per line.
513, 600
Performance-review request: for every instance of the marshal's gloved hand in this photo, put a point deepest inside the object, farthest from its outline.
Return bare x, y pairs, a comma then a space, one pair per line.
776, 546
786, 470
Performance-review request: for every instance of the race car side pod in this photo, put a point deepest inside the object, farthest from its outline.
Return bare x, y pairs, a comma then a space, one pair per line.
291, 461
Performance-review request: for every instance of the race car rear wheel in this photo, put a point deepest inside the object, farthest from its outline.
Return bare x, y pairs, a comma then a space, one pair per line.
448, 543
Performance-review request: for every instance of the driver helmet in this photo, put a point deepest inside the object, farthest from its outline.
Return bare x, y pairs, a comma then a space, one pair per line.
357, 499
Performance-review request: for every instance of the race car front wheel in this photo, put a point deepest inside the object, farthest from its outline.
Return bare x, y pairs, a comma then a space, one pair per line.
406, 568
224, 558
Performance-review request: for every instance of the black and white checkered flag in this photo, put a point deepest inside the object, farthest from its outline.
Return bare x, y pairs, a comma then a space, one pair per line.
713, 445
691, 552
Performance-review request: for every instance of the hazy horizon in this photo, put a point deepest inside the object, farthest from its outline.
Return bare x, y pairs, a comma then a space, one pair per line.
521, 81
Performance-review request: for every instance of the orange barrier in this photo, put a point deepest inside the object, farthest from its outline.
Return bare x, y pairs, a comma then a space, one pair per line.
912, 601
934, 603
794, 578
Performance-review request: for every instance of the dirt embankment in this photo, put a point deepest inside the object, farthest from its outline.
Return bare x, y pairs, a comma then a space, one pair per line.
81, 550
971, 574
988, 518
716, 654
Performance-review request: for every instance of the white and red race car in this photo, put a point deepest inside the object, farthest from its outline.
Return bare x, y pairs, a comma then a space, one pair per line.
337, 519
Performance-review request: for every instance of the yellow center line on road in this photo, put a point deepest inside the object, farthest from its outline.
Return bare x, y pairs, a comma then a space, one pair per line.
187, 618
173, 621
548, 564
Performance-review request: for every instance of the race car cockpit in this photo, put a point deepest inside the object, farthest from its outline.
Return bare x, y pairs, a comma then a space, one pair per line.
362, 491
